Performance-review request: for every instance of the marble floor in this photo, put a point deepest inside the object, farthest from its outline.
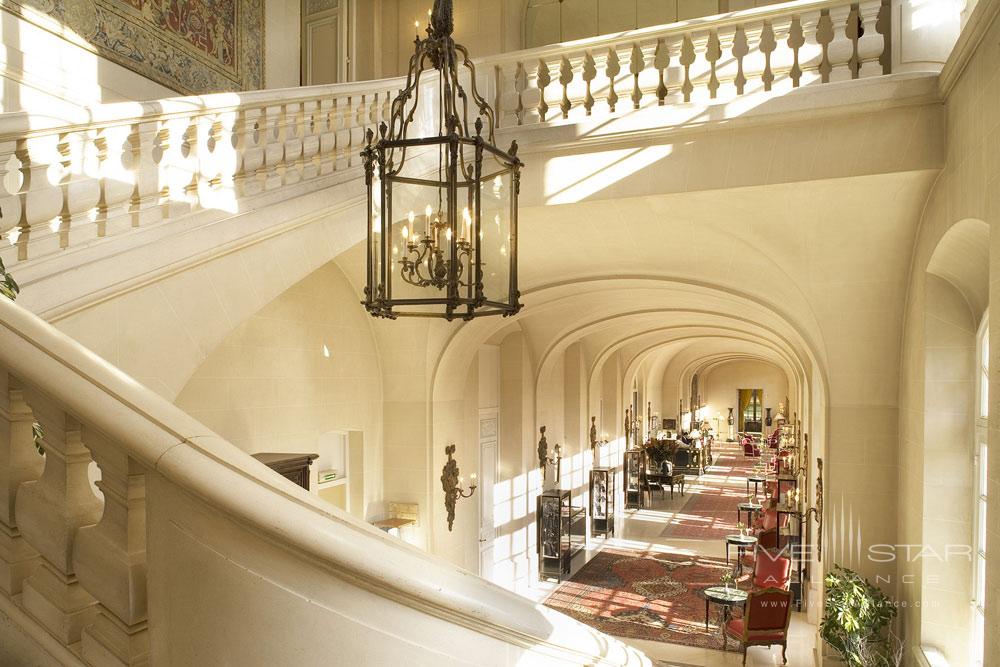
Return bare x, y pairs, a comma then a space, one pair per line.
640, 529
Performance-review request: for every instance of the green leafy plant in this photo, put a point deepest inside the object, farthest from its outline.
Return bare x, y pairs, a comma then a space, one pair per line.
857, 619
8, 286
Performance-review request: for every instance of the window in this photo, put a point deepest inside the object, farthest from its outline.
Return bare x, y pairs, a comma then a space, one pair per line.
983, 351
979, 568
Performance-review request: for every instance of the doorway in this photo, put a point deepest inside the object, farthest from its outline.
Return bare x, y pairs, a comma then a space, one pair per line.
488, 463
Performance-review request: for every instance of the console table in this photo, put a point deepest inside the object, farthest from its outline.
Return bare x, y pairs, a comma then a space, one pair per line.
290, 466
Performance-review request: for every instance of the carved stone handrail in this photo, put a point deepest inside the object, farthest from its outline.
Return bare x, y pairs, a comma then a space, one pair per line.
707, 60
78, 561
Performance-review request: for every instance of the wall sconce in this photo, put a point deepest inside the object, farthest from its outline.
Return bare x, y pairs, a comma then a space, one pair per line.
452, 482
817, 510
544, 460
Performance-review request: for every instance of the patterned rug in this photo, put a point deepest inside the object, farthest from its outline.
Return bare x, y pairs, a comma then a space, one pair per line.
710, 511
644, 595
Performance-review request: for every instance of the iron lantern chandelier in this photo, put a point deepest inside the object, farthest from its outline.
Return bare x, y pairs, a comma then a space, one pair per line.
442, 209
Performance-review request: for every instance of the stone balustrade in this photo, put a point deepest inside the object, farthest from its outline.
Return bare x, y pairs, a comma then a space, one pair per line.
187, 551
704, 61
67, 181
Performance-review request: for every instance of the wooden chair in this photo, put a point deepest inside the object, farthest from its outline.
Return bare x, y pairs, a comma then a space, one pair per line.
771, 570
764, 623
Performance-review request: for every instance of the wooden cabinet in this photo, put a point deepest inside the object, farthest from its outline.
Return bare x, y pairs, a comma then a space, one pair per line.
292, 466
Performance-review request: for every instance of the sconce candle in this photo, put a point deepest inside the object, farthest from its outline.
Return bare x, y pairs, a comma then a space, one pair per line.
452, 482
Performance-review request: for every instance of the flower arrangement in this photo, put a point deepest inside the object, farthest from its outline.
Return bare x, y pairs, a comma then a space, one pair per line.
727, 578
742, 527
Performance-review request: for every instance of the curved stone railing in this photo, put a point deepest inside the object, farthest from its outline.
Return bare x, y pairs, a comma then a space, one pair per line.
196, 554
713, 59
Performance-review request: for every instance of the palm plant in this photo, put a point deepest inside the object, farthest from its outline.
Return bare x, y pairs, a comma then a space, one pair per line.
856, 621
8, 286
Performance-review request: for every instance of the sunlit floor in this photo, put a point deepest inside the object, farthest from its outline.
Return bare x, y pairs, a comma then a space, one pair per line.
641, 530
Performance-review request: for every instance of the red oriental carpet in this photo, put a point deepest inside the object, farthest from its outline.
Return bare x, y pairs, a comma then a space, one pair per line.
710, 511
645, 595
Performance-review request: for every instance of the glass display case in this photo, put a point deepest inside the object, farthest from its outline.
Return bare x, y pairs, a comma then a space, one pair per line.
561, 533
602, 501
634, 467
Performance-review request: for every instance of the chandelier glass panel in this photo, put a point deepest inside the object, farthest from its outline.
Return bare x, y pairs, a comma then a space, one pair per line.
442, 208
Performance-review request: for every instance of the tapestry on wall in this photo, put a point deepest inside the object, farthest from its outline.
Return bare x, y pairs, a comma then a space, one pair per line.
191, 46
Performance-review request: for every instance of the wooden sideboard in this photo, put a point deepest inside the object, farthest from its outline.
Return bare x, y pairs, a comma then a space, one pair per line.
291, 466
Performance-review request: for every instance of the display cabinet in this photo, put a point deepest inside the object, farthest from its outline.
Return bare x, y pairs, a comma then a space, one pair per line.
634, 467
561, 533
602, 501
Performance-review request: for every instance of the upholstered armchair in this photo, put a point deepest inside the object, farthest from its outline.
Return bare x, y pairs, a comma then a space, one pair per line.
771, 570
764, 623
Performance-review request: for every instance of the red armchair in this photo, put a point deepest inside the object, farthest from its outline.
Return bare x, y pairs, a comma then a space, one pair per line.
771, 570
764, 623
749, 447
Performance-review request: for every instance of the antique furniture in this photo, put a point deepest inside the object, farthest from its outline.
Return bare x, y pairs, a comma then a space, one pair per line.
561, 533
772, 570
725, 597
291, 466
750, 508
602, 501
756, 480
765, 621
634, 467
742, 543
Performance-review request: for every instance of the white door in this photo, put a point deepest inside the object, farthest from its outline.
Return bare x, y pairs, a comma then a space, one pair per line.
487, 479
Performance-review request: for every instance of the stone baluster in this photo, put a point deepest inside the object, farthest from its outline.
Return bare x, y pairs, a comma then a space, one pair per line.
20, 462
312, 128
360, 123
176, 168
783, 56
796, 39
81, 187
117, 182
226, 159
687, 60
636, 64
767, 44
110, 560
713, 54
565, 79
520, 88
144, 157
728, 65
612, 68
811, 52
840, 50
542, 79
343, 124
41, 194
11, 180
49, 512
661, 61
292, 116
203, 142
740, 51
273, 139
700, 70
675, 71
871, 42
327, 136
509, 101
588, 74
248, 139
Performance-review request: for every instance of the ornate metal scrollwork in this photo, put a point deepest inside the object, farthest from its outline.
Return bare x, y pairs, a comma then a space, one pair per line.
451, 482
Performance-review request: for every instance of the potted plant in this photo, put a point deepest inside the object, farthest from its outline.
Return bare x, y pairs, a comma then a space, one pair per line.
727, 578
742, 527
857, 619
